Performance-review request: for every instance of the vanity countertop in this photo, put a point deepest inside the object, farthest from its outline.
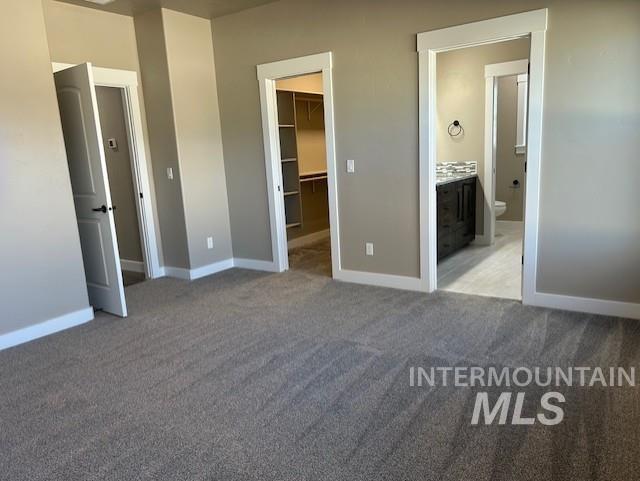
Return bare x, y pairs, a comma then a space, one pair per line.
445, 179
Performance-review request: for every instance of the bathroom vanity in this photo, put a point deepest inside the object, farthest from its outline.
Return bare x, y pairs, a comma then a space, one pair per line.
456, 196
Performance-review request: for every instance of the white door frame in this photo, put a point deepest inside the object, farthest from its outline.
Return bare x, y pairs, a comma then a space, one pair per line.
491, 73
128, 82
533, 24
267, 75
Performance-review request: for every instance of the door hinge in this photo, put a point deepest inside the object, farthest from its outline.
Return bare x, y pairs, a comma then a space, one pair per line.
141, 196
522, 260
525, 166
529, 68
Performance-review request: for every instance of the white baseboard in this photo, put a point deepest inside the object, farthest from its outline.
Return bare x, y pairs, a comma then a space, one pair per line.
588, 305
197, 273
177, 272
45, 328
308, 239
254, 264
193, 274
132, 266
210, 269
510, 223
381, 280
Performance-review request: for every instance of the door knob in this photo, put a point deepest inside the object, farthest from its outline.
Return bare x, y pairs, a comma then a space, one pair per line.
102, 209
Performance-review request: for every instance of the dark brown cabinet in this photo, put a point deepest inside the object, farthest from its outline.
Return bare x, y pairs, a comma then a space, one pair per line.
456, 215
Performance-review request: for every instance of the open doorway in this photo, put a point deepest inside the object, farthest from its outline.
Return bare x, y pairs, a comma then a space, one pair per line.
296, 98
480, 170
102, 128
120, 170
530, 25
303, 153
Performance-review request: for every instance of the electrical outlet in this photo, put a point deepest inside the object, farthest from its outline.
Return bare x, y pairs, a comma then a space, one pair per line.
351, 166
209, 242
369, 248
169, 173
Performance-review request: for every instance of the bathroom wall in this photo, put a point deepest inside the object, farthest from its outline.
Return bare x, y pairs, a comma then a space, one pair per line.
509, 165
112, 123
461, 96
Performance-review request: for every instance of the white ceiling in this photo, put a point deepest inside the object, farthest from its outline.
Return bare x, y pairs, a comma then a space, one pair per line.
200, 8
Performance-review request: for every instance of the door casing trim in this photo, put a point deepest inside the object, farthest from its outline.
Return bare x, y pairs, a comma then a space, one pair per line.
531, 24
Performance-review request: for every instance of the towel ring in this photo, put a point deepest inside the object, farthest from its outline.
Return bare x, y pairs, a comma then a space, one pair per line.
455, 128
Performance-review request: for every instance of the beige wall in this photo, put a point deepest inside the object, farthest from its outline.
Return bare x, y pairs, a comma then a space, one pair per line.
590, 145
79, 34
162, 138
192, 74
178, 74
461, 96
121, 185
509, 165
43, 274
590, 201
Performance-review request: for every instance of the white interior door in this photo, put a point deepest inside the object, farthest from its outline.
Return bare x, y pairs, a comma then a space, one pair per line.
90, 185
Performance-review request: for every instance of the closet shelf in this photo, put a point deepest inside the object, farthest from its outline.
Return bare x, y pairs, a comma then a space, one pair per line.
313, 176
294, 224
286, 126
293, 192
291, 159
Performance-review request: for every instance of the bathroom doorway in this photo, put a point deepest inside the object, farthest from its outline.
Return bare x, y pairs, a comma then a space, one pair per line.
480, 168
523, 27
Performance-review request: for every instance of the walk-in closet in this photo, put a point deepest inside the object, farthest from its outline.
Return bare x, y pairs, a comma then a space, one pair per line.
304, 162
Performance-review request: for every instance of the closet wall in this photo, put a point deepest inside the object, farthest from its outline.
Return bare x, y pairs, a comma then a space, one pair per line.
313, 165
303, 153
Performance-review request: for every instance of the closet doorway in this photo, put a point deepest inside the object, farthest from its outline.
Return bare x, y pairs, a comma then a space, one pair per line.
304, 172
297, 113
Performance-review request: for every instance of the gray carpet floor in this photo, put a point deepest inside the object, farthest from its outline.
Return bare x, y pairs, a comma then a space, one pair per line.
130, 278
254, 376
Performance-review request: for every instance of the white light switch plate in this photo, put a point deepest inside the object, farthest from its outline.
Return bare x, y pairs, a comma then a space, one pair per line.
209, 242
169, 173
351, 166
369, 248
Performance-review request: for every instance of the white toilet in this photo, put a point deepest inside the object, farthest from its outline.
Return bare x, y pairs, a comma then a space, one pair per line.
499, 208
